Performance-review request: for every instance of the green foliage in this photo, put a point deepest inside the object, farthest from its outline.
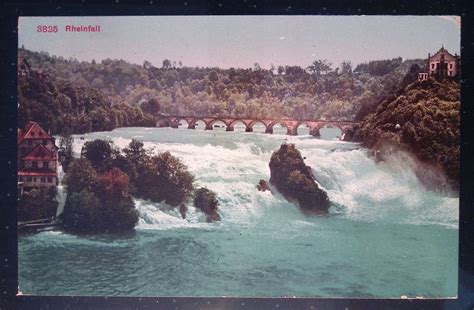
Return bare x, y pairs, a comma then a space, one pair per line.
85, 212
319, 66
205, 200
167, 179
81, 175
113, 93
379, 67
66, 150
97, 152
152, 107
428, 115
104, 207
295, 180
37, 203
82, 211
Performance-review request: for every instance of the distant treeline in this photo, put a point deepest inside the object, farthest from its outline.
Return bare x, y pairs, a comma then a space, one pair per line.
65, 94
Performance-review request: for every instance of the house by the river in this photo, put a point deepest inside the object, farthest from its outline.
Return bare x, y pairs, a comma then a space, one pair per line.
441, 64
37, 158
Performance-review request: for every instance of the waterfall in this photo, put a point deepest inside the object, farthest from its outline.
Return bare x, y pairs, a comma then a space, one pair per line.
61, 192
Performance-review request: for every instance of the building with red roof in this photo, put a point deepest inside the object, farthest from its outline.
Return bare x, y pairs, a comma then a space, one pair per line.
37, 157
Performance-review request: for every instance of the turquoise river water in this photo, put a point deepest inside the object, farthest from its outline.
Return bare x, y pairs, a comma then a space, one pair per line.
385, 236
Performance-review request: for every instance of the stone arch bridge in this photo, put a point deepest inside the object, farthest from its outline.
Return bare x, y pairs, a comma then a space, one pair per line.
290, 124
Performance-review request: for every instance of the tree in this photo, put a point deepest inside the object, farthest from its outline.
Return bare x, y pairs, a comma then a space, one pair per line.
319, 66
66, 150
81, 175
169, 180
98, 153
112, 186
213, 77
82, 211
135, 152
281, 70
152, 106
147, 64
205, 200
166, 64
346, 67
104, 207
37, 203
272, 68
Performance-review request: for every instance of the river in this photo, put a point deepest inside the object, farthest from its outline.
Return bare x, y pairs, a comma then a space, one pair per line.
385, 236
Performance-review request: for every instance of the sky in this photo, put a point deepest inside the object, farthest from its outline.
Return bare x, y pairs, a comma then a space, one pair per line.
241, 41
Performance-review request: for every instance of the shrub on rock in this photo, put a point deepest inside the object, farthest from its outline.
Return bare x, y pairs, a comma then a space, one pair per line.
206, 201
102, 205
295, 181
167, 179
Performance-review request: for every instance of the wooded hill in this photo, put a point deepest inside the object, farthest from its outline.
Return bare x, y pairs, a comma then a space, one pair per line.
68, 95
424, 119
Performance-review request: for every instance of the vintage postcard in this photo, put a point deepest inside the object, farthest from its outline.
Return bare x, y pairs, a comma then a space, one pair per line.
247, 156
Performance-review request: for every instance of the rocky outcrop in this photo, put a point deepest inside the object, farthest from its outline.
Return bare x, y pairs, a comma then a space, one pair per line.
206, 201
352, 134
422, 119
295, 181
182, 211
263, 186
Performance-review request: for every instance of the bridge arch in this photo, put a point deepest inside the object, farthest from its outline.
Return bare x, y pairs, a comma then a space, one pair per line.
194, 122
213, 122
243, 121
300, 125
180, 120
337, 125
278, 123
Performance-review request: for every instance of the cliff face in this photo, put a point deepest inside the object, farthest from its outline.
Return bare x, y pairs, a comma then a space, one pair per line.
422, 118
294, 180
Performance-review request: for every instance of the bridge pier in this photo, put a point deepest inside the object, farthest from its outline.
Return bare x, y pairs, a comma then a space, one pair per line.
191, 126
292, 131
315, 132
229, 128
174, 126
248, 129
208, 127
269, 130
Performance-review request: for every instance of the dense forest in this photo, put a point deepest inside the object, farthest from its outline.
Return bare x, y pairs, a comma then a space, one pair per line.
66, 95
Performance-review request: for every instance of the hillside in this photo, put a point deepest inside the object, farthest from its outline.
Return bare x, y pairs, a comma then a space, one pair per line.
61, 107
429, 124
318, 91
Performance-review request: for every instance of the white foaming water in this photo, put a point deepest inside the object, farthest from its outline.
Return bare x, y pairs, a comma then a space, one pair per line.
386, 235
231, 164
61, 191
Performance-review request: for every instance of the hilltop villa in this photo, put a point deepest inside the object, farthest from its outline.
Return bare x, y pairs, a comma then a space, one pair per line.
441, 64
37, 157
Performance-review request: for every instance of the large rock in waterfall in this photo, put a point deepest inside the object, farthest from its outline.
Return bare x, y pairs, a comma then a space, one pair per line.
295, 181
206, 201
